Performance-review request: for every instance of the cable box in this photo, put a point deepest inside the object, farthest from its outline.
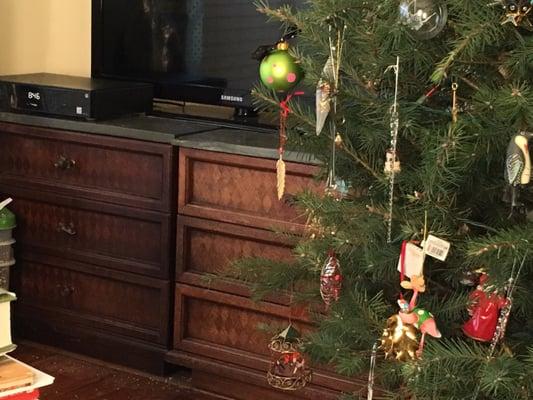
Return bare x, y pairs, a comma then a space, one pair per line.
74, 96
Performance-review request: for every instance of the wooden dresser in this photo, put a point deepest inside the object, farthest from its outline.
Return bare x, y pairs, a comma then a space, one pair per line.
227, 208
121, 249
95, 226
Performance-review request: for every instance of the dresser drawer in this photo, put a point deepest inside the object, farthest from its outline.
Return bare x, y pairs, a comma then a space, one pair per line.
239, 189
225, 327
205, 247
114, 170
114, 237
95, 298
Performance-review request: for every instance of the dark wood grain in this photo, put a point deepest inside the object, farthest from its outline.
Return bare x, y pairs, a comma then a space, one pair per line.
50, 329
111, 236
120, 171
96, 219
226, 328
93, 297
229, 323
240, 190
206, 249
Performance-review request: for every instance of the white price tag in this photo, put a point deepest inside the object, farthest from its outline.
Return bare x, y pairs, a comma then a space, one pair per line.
436, 247
414, 260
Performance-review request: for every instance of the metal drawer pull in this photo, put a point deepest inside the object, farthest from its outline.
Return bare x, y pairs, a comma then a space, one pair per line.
69, 228
64, 163
65, 290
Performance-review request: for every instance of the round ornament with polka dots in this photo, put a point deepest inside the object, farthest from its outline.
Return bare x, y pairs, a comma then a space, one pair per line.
279, 70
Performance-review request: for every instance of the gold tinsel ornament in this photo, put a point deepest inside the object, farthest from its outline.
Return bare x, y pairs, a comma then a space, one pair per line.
399, 340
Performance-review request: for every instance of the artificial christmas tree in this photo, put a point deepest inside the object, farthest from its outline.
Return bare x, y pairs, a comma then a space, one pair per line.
461, 90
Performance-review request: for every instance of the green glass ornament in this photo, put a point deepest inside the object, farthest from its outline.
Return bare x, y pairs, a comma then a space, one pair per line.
279, 70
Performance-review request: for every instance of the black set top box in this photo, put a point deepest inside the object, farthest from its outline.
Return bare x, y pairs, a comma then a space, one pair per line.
74, 96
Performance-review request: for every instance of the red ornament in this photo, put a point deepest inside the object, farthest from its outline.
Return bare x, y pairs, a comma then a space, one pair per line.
330, 280
484, 309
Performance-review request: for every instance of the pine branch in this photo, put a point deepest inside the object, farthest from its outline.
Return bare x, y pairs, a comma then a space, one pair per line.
442, 67
352, 153
283, 14
268, 100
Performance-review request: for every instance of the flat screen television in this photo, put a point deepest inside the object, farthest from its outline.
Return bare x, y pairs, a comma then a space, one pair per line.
191, 50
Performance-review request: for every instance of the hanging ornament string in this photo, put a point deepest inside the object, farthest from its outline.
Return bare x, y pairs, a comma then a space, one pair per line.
280, 165
335, 54
402, 265
506, 311
455, 110
394, 125
371, 372
429, 94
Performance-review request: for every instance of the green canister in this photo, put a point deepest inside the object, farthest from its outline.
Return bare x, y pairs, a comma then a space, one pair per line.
7, 223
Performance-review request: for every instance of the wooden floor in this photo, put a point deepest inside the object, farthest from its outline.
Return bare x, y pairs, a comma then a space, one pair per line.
81, 378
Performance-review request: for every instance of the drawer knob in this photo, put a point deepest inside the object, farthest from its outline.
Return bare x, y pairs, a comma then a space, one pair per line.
65, 290
64, 163
289, 199
69, 228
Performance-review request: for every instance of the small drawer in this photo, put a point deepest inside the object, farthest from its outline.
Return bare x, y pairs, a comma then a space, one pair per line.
114, 237
109, 301
114, 170
240, 190
209, 247
225, 327
221, 326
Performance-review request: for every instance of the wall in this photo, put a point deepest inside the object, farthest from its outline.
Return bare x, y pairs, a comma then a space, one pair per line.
45, 36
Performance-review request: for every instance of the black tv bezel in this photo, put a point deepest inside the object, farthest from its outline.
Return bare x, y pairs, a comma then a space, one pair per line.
181, 92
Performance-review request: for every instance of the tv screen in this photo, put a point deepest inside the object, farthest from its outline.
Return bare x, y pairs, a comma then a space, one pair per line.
191, 50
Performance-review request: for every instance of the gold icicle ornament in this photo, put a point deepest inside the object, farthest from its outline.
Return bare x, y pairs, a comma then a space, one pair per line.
280, 174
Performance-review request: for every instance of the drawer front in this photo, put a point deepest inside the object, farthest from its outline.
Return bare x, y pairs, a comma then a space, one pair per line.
92, 297
113, 237
115, 170
240, 189
209, 247
226, 328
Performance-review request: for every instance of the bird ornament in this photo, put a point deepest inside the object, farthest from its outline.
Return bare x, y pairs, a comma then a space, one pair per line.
517, 165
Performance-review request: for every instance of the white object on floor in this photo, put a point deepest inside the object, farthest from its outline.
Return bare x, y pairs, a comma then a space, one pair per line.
41, 380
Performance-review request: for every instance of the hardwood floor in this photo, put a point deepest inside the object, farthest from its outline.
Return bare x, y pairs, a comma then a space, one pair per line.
82, 378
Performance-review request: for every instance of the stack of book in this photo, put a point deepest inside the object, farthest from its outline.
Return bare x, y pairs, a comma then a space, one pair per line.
18, 381
5, 321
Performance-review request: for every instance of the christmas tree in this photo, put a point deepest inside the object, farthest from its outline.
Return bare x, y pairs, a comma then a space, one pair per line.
423, 106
